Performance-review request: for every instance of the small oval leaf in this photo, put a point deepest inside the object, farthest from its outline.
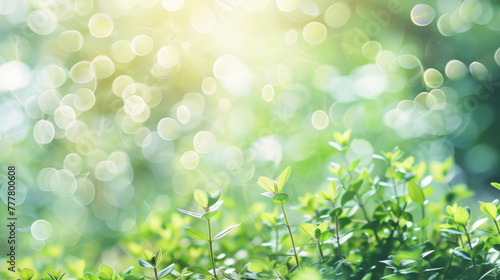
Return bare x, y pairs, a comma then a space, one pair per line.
282, 178
196, 234
281, 199
225, 232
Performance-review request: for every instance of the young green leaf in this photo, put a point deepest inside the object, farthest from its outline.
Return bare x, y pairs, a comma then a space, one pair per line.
207, 216
199, 270
225, 232
496, 185
330, 194
489, 209
213, 198
215, 206
416, 194
267, 184
26, 274
354, 164
477, 224
281, 199
323, 226
336, 212
462, 255
201, 198
477, 249
90, 276
192, 214
166, 271
282, 178
127, 272
461, 216
145, 263
147, 255
309, 229
196, 233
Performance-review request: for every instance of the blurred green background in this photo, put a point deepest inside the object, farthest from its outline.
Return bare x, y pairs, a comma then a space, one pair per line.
113, 112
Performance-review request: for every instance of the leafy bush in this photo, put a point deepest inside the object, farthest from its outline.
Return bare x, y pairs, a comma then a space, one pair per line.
373, 222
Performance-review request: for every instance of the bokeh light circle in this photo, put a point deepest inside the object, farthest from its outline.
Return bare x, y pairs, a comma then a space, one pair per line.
41, 230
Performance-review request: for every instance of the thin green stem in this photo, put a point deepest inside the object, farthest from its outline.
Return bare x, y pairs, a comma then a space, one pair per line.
395, 189
291, 236
277, 240
496, 224
211, 248
320, 251
156, 273
470, 251
424, 233
363, 209
337, 232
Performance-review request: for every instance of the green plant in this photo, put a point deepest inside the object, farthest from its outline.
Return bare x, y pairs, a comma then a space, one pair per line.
273, 190
209, 203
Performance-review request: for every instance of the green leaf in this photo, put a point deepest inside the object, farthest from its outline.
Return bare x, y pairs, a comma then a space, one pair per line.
267, 184
348, 196
489, 209
281, 199
496, 185
309, 229
336, 212
416, 194
424, 223
166, 271
26, 274
323, 227
207, 216
462, 255
127, 272
90, 276
477, 224
103, 275
330, 194
496, 246
201, 198
199, 270
354, 164
225, 232
145, 263
196, 233
282, 178
215, 206
147, 255
106, 269
192, 214
356, 185
476, 250
258, 266
461, 216
213, 198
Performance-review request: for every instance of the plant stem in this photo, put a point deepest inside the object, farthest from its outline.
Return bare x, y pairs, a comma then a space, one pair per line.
277, 240
337, 232
496, 224
156, 273
291, 236
395, 189
424, 233
211, 249
321, 252
470, 251
363, 209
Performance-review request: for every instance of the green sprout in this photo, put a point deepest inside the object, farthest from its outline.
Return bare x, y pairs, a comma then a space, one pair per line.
273, 190
210, 203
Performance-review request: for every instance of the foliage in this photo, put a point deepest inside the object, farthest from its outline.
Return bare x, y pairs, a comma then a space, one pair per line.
373, 226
